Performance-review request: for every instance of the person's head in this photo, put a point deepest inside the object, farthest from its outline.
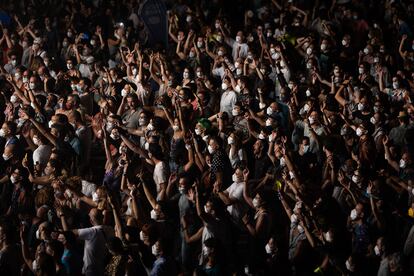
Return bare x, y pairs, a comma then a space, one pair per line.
95, 217
155, 151
53, 167
213, 144
260, 200
6, 233
55, 249
115, 246
8, 129
44, 231
67, 238
45, 265
132, 100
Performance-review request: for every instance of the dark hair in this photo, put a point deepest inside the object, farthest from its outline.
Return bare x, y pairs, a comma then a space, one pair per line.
115, 244
12, 126
156, 151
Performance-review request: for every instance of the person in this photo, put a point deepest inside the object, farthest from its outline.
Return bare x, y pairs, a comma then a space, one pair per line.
256, 137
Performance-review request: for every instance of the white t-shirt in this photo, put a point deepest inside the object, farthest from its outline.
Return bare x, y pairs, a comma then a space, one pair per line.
227, 102
88, 188
42, 154
235, 191
95, 247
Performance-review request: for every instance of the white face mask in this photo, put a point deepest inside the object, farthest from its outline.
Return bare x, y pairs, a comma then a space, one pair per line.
366, 51
305, 148
255, 202
199, 44
32, 85
134, 71
210, 149
235, 112
353, 214
269, 111
359, 132
238, 39
403, 164
207, 210
268, 249
237, 88
356, 179
311, 120
230, 140
176, 128
261, 136
234, 177
220, 53
360, 106
13, 98
37, 234
282, 162
153, 215
309, 51
361, 71
114, 136
69, 66
377, 251
224, 86
205, 138
2, 133
308, 93
293, 219
124, 93
300, 229
197, 131
141, 236
327, 236
13, 179
150, 126
95, 197
181, 190
191, 55
372, 120
395, 85
34, 266
239, 71
348, 266
268, 122
155, 251
323, 47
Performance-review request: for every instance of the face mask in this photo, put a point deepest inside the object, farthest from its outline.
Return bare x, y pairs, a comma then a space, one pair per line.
150, 127
361, 71
25, 79
268, 249
199, 44
282, 162
122, 149
255, 202
188, 19
268, 122
205, 138
191, 54
181, 190
311, 120
197, 131
37, 234
308, 65
237, 88
360, 106
13, 179
206, 251
207, 210
290, 85
305, 148
308, 93
141, 236
377, 251
300, 229
234, 177
372, 120
309, 51
142, 122
124, 92
69, 66
239, 71
395, 85
114, 136
153, 215
13, 98
175, 127
353, 214
20, 121
403, 164
65, 44
210, 149
355, 179
261, 136
376, 109
238, 39
224, 86
186, 75
235, 112
327, 236
154, 250
323, 47
95, 197
359, 132
348, 266
2, 133
32, 85
269, 111
230, 140
146, 146
366, 51
36, 141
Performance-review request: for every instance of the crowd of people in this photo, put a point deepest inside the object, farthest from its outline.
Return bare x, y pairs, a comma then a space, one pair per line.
265, 137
